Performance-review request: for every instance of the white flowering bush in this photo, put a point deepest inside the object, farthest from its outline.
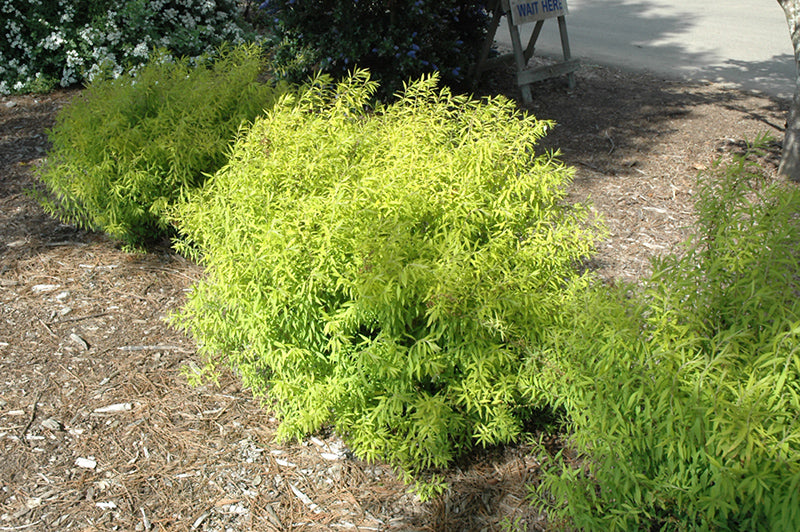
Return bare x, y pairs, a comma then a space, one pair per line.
62, 42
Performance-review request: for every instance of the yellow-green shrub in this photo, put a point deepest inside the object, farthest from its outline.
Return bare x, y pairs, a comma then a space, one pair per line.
383, 270
127, 148
685, 398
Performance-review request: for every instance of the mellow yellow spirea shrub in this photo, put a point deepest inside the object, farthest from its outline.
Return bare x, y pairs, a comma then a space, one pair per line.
386, 270
126, 149
683, 397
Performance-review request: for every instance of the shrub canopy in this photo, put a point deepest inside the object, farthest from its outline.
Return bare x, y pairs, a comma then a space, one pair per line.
684, 398
127, 148
386, 270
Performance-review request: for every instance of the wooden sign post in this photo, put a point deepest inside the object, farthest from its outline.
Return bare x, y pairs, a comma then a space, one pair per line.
522, 12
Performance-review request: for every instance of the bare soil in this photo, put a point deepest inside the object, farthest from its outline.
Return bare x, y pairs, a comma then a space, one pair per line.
99, 429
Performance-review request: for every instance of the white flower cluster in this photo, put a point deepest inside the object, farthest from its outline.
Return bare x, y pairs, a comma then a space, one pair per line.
140, 50
43, 42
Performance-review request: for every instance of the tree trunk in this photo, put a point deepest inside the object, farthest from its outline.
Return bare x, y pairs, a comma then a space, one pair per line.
790, 160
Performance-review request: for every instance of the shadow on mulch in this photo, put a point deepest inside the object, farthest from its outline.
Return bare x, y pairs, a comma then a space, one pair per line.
612, 115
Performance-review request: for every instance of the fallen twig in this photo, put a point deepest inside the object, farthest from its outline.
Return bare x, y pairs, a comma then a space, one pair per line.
80, 318
48, 329
20, 527
155, 348
33, 410
83, 386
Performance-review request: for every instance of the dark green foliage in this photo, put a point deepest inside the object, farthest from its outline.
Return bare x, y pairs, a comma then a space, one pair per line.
685, 397
126, 149
383, 270
63, 42
395, 40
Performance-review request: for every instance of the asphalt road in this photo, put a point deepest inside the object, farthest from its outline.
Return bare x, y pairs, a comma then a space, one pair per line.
741, 42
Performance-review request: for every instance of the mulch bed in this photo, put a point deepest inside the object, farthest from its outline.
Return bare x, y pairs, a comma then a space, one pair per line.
100, 429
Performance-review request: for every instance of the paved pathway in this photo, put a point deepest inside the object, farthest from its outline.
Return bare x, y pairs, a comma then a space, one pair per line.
742, 42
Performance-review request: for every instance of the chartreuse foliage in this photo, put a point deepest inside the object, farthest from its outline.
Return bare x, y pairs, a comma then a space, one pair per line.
383, 271
125, 149
685, 398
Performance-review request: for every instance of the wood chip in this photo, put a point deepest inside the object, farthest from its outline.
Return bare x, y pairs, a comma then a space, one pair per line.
83, 344
52, 424
44, 288
110, 505
305, 499
285, 463
145, 521
199, 521
113, 409
86, 463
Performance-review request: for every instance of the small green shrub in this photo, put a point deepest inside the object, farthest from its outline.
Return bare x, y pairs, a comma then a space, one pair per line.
685, 398
63, 42
126, 149
381, 270
395, 40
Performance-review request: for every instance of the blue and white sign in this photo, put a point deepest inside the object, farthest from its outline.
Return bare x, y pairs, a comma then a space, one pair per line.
523, 11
